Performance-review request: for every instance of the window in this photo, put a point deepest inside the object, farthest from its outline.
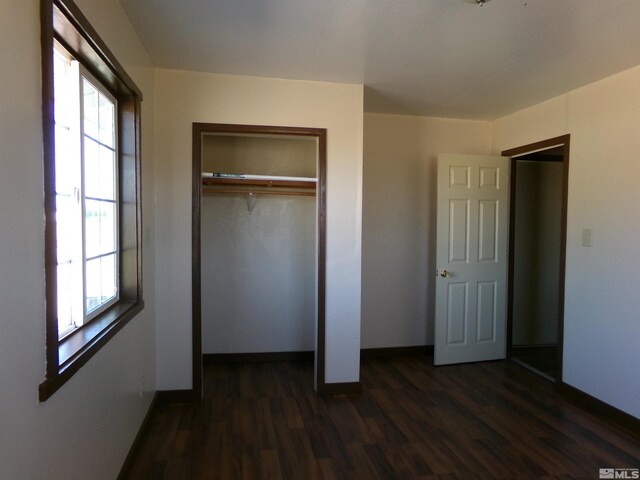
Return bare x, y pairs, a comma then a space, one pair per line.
86, 194
91, 128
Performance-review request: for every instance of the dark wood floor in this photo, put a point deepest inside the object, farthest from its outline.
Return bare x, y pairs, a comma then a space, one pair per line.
412, 420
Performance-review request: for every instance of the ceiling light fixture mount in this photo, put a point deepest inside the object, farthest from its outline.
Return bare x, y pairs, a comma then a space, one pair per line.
476, 2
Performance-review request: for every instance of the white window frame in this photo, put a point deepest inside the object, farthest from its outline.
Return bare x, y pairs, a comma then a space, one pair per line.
76, 72
88, 316
68, 98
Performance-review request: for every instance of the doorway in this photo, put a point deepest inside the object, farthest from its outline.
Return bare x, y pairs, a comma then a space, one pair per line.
537, 252
259, 190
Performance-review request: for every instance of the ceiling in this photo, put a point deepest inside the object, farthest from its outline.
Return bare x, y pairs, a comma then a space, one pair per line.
447, 58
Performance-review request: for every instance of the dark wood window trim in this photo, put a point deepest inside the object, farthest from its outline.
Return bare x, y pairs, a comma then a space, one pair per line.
62, 21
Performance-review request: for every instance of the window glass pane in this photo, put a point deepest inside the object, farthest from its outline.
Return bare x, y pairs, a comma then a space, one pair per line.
69, 296
99, 171
100, 197
92, 228
66, 226
100, 228
100, 281
67, 152
90, 114
93, 287
61, 66
68, 213
108, 280
67, 172
107, 124
107, 174
91, 168
65, 285
107, 227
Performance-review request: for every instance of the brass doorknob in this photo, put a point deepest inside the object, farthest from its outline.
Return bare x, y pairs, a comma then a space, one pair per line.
444, 273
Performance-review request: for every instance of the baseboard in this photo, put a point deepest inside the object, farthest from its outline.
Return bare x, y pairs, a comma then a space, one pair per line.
625, 421
209, 358
343, 388
135, 446
396, 351
533, 370
542, 345
299, 356
177, 396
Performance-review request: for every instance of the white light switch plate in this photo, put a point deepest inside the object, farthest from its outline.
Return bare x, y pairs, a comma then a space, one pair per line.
587, 237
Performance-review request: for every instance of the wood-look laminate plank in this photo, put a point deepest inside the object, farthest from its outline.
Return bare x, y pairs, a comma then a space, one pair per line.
412, 420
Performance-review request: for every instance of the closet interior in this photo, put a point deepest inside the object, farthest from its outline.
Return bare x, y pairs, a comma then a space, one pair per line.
258, 243
537, 256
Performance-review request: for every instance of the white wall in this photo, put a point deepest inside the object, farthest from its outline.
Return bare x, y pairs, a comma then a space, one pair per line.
258, 274
602, 324
258, 266
399, 221
86, 428
187, 97
538, 218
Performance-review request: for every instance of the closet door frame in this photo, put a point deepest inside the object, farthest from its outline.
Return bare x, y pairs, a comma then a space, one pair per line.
200, 129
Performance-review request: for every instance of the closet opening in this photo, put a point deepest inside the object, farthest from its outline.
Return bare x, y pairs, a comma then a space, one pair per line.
537, 251
258, 245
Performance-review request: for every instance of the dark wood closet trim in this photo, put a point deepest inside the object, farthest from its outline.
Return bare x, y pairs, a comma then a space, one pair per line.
220, 128
563, 142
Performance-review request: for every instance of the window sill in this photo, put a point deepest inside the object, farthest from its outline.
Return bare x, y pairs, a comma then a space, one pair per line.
80, 346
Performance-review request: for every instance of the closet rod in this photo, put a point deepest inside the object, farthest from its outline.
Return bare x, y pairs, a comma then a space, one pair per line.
257, 192
244, 176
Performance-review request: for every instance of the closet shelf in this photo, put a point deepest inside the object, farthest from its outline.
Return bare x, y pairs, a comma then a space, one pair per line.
257, 184
251, 182
299, 193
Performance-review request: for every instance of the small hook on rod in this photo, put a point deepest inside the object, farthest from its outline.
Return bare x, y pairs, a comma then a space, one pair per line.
250, 203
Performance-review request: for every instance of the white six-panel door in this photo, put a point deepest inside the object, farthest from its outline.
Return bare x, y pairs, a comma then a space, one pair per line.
471, 258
